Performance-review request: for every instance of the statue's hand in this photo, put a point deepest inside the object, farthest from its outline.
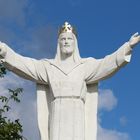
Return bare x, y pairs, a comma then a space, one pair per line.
134, 40
3, 49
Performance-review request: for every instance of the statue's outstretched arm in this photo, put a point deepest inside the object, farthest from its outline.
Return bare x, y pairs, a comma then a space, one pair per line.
100, 69
25, 67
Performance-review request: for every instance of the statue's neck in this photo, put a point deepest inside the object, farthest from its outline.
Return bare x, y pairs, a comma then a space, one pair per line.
67, 61
67, 58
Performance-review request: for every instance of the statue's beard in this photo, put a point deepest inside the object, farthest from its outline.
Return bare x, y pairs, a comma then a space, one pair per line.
66, 51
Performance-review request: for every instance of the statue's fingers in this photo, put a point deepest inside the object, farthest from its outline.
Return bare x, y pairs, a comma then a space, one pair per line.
135, 35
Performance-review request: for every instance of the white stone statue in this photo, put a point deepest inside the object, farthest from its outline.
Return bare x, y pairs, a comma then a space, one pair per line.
67, 86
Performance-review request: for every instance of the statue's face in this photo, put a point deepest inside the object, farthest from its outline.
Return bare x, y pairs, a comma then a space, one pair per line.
66, 42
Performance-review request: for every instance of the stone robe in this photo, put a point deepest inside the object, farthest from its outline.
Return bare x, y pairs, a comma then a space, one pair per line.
67, 100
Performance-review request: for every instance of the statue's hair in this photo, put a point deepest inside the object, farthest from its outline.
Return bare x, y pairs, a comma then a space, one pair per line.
76, 54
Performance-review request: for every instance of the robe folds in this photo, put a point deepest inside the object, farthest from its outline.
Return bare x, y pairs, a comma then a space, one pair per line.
67, 99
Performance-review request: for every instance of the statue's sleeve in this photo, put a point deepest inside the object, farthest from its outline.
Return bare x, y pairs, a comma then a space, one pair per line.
100, 69
25, 67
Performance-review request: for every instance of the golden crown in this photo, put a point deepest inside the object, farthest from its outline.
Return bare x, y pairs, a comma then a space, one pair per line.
67, 28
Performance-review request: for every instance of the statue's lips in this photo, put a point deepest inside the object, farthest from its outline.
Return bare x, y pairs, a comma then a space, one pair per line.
66, 45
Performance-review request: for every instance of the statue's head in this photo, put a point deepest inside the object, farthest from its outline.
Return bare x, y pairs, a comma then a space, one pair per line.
67, 42
66, 39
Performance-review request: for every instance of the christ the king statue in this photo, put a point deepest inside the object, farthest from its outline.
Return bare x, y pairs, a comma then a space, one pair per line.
67, 86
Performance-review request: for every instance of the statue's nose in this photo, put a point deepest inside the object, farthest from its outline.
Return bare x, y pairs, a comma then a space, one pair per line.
66, 42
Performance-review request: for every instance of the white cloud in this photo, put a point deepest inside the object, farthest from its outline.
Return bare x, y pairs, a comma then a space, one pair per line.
42, 41
6, 35
13, 10
26, 109
105, 134
107, 100
15, 30
9, 81
123, 121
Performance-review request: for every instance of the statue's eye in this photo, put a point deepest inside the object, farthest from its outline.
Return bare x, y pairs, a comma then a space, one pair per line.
63, 38
70, 38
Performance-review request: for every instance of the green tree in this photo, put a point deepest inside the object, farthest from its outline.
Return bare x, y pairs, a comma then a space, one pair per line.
9, 130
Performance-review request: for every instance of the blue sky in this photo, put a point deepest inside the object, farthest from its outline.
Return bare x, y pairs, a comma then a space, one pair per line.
30, 28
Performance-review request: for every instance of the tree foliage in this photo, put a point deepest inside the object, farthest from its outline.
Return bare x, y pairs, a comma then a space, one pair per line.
9, 130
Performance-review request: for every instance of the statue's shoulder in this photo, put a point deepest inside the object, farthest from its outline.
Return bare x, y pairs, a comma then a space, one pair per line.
47, 60
88, 60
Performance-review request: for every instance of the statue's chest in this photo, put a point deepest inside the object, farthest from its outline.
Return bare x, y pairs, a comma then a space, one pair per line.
66, 84
74, 73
